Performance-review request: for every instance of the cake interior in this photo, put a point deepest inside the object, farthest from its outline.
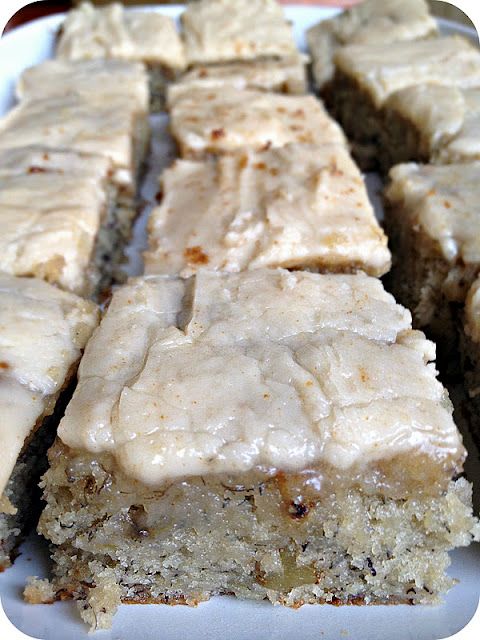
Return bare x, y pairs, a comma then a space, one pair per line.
353, 109
260, 536
20, 503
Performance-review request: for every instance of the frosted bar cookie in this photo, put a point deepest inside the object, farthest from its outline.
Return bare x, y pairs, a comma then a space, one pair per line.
95, 79
59, 218
370, 22
283, 76
133, 35
255, 434
431, 122
115, 130
433, 224
32, 314
299, 206
115, 32
226, 30
367, 75
223, 120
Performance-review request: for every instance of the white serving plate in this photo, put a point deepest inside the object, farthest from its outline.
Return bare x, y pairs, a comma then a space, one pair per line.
221, 617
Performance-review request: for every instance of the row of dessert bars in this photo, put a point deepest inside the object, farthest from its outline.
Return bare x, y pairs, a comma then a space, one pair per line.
239, 428
71, 153
242, 421
418, 102
255, 43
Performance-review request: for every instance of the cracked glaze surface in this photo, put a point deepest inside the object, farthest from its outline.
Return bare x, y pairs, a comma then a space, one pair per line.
112, 32
442, 202
227, 373
369, 22
52, 204
381, 69
219, 31
225, 119
297, 206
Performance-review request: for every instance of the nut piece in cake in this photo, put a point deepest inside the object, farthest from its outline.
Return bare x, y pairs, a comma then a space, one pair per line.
32, 313
370, 22
255, 434
298, 206
226, 119
226, 30
433, 226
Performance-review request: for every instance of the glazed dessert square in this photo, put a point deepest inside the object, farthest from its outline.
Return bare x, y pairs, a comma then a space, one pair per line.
58, 218
113, 128
298, 207
133, 35
96, 80
432, 222
287, 75
370, 22
431, 122
226, 30
254, 434
32, 313
224, 120
367, 75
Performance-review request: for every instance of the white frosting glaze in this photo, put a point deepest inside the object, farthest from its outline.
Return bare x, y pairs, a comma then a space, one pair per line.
74, 123
369, 22
447, 119
51, 209
465, 145
226, 119
97, 80
286, 75
437, 112
42, 332
113, 32
225, 373
297, 206
384, 68
221, 30
443, 202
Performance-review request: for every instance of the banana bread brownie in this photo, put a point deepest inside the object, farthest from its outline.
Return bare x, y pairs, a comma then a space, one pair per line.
367, 75
226, 119
255, 434
431, 123
227, 30
59, 218
432, 221
298, 207
111, 127
369, 22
